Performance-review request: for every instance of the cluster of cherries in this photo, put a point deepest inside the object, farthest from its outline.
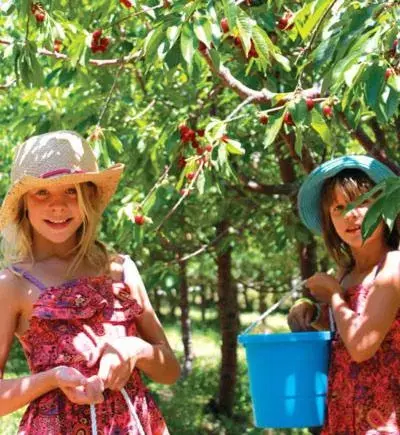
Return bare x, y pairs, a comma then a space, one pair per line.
38, 12
237, 41
288, 120
99, 43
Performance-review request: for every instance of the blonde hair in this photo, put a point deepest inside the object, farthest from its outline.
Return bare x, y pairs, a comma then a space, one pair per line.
17, 237
352, 183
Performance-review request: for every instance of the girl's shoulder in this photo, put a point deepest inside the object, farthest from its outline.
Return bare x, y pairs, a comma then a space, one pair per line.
11, 286
390, 270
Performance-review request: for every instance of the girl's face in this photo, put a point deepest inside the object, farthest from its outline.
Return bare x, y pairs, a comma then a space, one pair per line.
348, 224
54, 212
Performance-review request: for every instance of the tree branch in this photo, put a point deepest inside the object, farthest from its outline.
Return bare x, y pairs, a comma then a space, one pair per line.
369, 146
95, 62
305, 159
288, 189
379, 133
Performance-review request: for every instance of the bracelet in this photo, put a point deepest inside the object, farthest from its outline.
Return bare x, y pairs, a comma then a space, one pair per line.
308, 301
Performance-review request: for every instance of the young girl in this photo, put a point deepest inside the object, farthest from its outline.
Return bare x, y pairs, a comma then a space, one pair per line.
364, 376
83, 317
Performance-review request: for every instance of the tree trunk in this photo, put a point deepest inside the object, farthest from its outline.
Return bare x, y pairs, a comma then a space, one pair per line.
306, 252
203, 303
229, 323
185, 321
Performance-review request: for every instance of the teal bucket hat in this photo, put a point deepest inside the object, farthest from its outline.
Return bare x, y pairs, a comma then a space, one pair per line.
308, 199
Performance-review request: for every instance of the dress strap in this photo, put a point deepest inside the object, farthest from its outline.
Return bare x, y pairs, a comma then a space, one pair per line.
380, 265
21, 272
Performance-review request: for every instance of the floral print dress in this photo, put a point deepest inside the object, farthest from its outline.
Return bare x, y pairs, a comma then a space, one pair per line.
364, 398
67, 322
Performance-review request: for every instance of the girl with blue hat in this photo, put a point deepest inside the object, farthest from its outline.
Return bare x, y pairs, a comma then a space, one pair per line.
364, 298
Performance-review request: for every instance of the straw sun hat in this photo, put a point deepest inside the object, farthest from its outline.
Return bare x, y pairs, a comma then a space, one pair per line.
309, 197
56, 158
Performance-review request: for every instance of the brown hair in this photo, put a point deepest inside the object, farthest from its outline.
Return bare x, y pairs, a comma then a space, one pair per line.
353, 183
17, 237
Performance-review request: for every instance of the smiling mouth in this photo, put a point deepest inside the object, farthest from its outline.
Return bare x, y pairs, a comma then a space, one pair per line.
353, 229
58, 223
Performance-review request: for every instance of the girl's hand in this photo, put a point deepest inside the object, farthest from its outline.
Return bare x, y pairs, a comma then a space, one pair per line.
323, 286
77, 387
300, 317
117, 360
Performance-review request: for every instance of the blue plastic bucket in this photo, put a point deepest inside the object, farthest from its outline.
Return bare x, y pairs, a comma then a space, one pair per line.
288, 377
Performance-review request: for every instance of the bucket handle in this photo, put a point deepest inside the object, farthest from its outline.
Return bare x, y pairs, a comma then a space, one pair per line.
286, 296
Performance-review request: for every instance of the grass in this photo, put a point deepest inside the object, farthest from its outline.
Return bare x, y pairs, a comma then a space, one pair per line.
185, 404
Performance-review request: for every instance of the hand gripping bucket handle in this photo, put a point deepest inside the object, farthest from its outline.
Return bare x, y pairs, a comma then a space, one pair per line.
131, 411
283, 299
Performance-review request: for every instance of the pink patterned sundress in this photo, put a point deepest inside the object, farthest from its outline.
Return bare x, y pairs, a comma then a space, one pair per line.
58, 335
364, 398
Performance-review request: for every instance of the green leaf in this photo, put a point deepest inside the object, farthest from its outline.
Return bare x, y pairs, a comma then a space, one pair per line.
203, 31
187, 43
152, 43
114, 142
298, 146
230, 11
234, 147
374, 85
299, 112
372, 218
173, 33
200, 182
215, 58
315, 15
394, 82
245, 26
320, 126
273, 128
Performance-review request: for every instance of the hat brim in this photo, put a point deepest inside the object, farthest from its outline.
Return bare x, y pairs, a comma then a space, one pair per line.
308, 200
106, 181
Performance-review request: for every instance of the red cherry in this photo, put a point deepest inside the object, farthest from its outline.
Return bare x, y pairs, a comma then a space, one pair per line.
126, 3
263, 119
327, 111
181, 162
187, 135
139, 219
287, 119
57, 45
104, 44
209, 148
96, 35
200, 132
224, 25
252, 52
184, 192
392, 51
388, 73
310, 103
237, 41
190, 176
282, 23
202, 47
195, 144
40, 16
199, 151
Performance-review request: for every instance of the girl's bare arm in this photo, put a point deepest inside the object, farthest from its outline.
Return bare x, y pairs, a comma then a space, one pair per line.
363, 333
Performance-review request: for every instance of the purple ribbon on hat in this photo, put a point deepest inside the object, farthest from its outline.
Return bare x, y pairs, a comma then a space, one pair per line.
61, 171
